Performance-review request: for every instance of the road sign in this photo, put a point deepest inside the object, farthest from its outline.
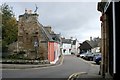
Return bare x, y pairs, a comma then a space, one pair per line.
36, 44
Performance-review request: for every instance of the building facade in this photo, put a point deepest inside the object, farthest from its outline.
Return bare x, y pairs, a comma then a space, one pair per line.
75, 47
35, 40
110, 17
66, 46
32, 38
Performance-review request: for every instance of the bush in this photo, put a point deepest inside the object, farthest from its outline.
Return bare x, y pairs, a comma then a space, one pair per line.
19, 55
14, 56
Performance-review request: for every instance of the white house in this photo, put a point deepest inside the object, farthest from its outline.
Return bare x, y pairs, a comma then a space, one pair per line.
66, 46
74, 48
96, 49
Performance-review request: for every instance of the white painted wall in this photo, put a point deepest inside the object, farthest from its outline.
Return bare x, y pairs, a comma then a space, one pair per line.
75, 49
67, 47
96, 49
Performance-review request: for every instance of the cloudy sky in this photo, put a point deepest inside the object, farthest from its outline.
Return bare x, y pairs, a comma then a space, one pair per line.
72, 19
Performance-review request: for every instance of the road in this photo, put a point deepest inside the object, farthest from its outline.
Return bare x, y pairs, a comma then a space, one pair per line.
70, 65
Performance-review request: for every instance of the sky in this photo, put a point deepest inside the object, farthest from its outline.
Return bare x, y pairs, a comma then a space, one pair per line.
79, 20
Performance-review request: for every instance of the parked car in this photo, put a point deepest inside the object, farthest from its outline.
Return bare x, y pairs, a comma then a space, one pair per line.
97, 59
82, 51
90, 56
83, 55
78, 55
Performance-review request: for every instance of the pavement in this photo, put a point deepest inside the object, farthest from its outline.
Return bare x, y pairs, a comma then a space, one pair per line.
27, 66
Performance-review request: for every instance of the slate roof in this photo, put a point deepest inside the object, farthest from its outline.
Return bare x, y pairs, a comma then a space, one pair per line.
68, 41
46, 33
85, 45
91, 44
51, 34
56, 37
94, 43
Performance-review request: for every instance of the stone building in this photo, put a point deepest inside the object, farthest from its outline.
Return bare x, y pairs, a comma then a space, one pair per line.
36, 41
32, 37
110, 17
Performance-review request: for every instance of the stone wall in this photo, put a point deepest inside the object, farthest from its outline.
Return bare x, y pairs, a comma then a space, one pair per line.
29, 32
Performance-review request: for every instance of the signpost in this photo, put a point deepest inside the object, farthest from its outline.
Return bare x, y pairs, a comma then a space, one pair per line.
36, 44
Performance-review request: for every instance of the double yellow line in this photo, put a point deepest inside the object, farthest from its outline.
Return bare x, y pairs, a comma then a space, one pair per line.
76, 75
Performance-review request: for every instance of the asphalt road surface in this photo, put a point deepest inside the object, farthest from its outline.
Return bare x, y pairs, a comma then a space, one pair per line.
70, 65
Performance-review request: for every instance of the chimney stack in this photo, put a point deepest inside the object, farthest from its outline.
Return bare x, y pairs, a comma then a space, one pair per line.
30, 11
25, 10
90, 38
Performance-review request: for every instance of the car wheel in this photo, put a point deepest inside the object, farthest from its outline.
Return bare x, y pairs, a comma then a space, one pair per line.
78, 56
91, 59
97, 62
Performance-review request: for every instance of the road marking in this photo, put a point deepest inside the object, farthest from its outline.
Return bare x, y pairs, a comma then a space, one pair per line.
75, 75
61, 62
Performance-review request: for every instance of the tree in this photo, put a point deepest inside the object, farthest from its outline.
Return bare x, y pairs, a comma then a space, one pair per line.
9, 26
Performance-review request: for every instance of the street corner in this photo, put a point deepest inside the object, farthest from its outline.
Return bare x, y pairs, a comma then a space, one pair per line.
23, 66
59, 62
74, 76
